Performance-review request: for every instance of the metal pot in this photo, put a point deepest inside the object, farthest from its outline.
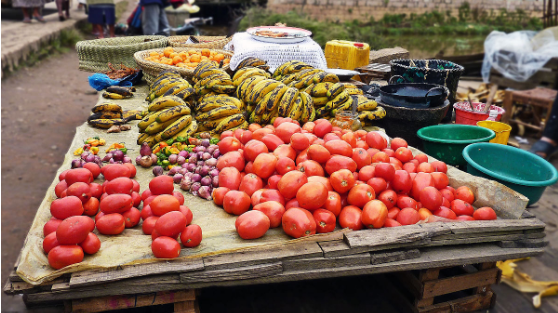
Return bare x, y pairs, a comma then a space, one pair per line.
413, 95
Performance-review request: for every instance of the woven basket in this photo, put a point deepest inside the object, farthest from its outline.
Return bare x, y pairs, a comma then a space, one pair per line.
94, 55
152, 69
215, 42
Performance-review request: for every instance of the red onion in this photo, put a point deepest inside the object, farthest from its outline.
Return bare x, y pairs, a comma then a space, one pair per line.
214, 172
196, 177
118, 155
173, 170
189, 175
138, 159
90, 158
215, 181
154, 157
211, 162
173, 158
199, 149
195, 187
97, 158
216, 153
112, 161
84, 154
205, 192
145, 149
157, 171
99, 162
177, 178
200, 163
127, 159
200, 155
210, 150
205, 142
183, 171
197, 169
206, 156
144, 161
180, 160
183, 154
193, 158
204, 170
76, 163
191, 167
107, 157
206, 181
186, 183
214, 147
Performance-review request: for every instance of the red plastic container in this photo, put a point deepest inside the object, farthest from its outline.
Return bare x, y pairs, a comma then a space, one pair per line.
464, 115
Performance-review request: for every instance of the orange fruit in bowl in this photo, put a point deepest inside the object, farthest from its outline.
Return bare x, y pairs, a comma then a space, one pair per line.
168, 50
205, 52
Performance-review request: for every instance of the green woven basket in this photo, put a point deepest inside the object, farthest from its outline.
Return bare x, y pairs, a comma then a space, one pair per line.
94, 55
213, 42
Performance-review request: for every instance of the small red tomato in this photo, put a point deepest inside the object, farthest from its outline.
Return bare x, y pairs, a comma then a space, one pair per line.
391, 223
350, 217
298, 222
361, 195
131, 217
389, 198
91, 244
408, 216
374, 214
485, 213
236, 202
165, 247
273, 210
191, 236
50, 242
445, 212
252, 224
325, 221
464, 193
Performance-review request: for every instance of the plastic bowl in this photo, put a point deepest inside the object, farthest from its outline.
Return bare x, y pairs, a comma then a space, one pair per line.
446, 142
518, 169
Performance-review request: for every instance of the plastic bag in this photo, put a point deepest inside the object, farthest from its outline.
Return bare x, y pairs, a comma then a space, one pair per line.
519, 55
100, 81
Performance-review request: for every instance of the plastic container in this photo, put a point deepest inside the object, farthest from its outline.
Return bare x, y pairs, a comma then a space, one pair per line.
446, 142
502, 131
464, 115
520, 170
346, 54
346, 120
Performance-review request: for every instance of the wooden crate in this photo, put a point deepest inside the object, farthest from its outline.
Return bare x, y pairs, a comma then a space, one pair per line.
465, 288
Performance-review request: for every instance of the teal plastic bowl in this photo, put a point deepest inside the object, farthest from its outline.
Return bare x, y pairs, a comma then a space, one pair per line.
446, 142
520, 170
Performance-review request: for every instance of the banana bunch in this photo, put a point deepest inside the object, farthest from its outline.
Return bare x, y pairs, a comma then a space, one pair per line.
168, 117
210, 79
219, 113
253, 62
118, 92
170, 83
368, 109
106, 115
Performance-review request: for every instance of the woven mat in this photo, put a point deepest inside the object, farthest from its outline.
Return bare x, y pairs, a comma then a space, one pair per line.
245, 46
388, 54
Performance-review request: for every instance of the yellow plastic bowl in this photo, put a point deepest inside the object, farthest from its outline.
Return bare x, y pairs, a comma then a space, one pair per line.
502, 131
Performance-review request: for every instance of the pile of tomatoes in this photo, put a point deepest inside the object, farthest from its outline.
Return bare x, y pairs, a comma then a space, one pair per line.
307, 179
165, 218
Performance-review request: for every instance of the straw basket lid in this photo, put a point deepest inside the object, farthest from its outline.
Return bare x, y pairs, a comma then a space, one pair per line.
207, 42
152, 69
94, 55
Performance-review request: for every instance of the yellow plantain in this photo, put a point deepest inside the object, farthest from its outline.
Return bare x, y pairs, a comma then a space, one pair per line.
176, 127
172, 113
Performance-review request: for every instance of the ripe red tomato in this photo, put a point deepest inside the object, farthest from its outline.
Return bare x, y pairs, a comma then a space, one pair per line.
290, 183
389, 198
401, 182
425, 167
191, 236
299, 141
380, 157
378, 184
333, 203
50, 242
448, 194
74, 230
340, 147
146, 194
117, 203
342, 180
397, 143
112, 171
385, 171
338, 162
144, 213
245, 136
177, 194
273, 210
148, 225
252, 224
403, 154
273, 180
284, 165
424, 213
229, 144
272, 141
113, 224
63, 175
264, 165
80, 190
253, 148
293, 203
308, 126
285, 150
322, 128
485, 213
131, 217
258, 134
421, 180
165, 247
286, 130
445, 212
119, 185
78, 175
162, 185
321, 179
465, 194
406, 202
91, 244
252, 127
60, 187
395, 162
311, 168
464, 218
393, 212
440, 180
461, 207
250, 183
376, 141
319, 154
231, 159
298, 222
132, 168
439, 166
360, 195
374, 214
187, 213
366, 172
408, 216
229, 177
51, 226
361, 157
431, 198
325, 221
312, 195
66, 207
302, 156
64, 255
163, 204
391, 223
410, 167
236, 202
421, 158
171, 224
350, 217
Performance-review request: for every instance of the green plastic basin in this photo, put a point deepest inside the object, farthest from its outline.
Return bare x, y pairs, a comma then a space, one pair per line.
520, 170
446, 142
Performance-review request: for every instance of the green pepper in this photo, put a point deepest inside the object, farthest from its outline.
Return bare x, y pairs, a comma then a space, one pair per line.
214, 141
159, 162
123, 150
167, 151
170, 141
179, 139
166, 163
97, 137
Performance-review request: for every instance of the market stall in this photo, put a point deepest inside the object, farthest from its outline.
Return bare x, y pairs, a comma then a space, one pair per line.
184, 129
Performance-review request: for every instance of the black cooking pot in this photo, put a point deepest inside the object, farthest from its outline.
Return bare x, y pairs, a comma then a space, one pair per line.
413, 95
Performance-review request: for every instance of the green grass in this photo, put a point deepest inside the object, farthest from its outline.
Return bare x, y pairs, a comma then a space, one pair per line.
468, 22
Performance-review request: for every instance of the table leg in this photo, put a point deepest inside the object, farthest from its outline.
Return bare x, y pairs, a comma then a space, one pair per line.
508, 106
